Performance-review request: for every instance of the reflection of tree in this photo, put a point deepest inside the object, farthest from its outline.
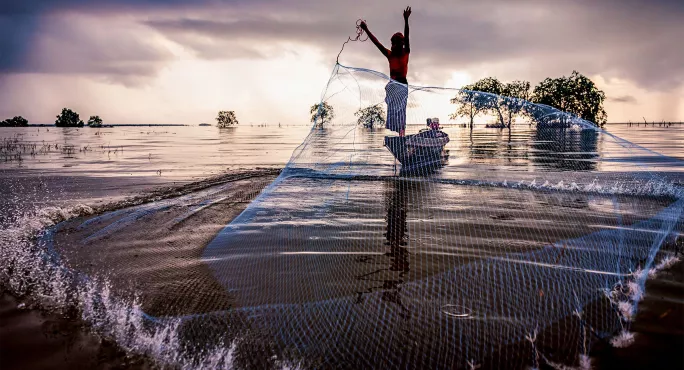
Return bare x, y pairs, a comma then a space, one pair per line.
393, 276
565, 149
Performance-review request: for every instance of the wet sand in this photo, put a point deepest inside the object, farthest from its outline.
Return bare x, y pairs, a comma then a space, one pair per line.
33, 339
36, 339
659, 328
155, 249
165, 269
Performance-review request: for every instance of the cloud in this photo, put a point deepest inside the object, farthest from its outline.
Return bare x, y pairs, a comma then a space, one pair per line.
113, 49
624, 99
622, 39
527, 39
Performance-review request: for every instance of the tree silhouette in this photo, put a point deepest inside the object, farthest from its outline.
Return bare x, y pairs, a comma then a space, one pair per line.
68, 118
17, 121
576, 94
491, 95
226, 119
371, 116
516, 96
95, 121
322, 113
469, 104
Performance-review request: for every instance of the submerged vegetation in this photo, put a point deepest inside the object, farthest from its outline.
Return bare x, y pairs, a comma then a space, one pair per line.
15, 149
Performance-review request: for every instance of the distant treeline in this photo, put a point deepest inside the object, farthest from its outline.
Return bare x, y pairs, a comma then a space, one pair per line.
68, 118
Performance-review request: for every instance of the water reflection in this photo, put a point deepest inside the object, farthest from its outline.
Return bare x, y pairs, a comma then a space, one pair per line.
565, 150
393, 276
184, 152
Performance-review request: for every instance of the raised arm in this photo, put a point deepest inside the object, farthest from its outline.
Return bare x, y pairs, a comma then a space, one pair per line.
407, 14
372, 37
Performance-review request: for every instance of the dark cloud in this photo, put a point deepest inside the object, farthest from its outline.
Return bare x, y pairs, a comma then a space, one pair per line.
624, 39
24, 7
18, 34
627, 39
624, 99
110, 51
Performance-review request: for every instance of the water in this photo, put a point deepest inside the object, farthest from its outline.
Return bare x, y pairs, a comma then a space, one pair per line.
186, 152
179, 152
346, 247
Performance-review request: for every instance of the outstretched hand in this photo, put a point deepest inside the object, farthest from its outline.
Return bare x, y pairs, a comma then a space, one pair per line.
407, 12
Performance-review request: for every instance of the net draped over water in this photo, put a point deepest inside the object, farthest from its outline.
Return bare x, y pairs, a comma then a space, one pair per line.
516, 256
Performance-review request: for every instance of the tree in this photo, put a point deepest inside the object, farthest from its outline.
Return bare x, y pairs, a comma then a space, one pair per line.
506, 100
17, 121
226, 119
490, 101
576, 94
370, 116
68, 118
470, 105
516, 96
95, 121
322, 113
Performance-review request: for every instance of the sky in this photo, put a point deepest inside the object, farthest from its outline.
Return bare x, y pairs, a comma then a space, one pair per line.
181, 61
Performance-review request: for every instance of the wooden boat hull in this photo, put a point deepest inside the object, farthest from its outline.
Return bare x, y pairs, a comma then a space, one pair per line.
417, 158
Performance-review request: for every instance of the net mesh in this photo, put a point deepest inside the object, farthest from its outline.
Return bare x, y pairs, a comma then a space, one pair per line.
375, 252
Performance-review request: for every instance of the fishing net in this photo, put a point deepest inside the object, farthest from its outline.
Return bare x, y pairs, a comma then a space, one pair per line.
527, 251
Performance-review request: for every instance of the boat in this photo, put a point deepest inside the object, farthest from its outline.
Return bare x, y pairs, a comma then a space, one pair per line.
422, 152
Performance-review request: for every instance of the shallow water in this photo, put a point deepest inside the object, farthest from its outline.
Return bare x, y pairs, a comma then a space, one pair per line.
182, 152
339, 272
179, 152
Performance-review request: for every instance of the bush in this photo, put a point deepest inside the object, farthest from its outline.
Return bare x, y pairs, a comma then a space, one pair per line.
68, 118
95, 121
226, 119
17, 121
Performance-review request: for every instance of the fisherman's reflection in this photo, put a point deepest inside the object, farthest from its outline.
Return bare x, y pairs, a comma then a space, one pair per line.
393, 277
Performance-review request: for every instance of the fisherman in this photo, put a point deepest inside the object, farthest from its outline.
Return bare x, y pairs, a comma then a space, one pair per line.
397, 89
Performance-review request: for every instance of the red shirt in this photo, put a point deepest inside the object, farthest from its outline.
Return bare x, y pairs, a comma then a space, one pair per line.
398, 65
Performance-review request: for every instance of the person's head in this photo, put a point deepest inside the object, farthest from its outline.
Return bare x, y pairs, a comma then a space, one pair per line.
397, 41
